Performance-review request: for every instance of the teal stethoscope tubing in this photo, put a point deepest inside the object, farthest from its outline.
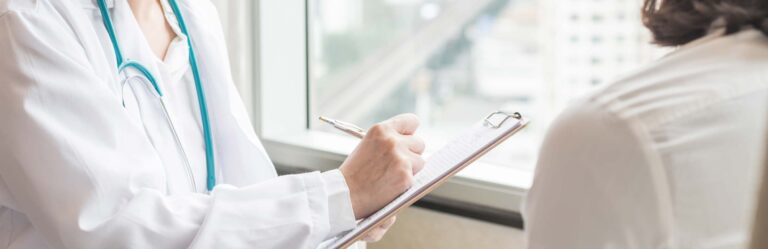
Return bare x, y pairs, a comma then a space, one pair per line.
124, 64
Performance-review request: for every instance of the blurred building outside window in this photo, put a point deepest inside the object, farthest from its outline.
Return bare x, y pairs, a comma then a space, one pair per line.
453, 61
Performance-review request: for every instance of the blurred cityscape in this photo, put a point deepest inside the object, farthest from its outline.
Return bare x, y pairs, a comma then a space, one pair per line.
453, 61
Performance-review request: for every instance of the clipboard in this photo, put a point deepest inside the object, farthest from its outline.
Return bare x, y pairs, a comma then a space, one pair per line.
442, 165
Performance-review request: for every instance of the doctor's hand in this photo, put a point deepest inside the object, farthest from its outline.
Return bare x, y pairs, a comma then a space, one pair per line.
378, 232
383, 164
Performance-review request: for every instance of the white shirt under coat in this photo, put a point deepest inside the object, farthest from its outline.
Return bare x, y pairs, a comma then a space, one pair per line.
80, 170
667, 157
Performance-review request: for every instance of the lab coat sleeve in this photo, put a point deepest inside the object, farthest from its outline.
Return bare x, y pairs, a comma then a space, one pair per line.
85, 175
592, 186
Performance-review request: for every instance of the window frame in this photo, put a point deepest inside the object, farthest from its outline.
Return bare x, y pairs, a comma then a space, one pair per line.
281, 115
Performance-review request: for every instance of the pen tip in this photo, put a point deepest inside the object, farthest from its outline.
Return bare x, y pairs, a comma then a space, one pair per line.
324, 119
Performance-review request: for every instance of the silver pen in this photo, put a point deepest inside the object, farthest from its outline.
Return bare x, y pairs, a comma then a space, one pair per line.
348, 128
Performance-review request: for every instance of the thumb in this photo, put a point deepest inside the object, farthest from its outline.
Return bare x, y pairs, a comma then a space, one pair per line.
405, 124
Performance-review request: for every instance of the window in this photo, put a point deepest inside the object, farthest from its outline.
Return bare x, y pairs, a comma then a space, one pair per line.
449, 61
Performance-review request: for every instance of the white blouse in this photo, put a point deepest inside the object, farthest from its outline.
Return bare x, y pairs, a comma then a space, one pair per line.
667, 157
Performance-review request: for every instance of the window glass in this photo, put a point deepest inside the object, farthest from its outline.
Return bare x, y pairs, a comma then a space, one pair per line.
453, 61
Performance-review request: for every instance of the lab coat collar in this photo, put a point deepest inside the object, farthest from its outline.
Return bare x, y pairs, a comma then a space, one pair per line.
95, 3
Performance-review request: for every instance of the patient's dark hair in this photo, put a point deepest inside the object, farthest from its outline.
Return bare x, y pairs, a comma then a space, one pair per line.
677, 22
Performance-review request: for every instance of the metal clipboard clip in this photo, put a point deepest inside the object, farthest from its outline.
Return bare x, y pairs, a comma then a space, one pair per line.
497, 119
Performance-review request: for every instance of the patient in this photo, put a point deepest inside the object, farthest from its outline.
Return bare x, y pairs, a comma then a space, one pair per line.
670, 156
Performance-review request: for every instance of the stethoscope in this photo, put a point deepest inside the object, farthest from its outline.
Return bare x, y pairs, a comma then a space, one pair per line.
123, 64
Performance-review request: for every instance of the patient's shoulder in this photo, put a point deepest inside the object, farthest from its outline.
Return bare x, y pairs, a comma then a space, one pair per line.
710, 71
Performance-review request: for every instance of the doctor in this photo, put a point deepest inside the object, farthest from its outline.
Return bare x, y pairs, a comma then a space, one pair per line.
121, 128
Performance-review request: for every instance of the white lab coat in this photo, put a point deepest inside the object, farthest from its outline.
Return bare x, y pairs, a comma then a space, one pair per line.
79, 170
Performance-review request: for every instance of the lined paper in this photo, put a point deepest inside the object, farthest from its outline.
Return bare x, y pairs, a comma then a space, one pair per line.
471, 144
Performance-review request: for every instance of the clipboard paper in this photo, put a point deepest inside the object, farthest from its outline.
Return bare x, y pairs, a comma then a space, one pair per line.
442, 165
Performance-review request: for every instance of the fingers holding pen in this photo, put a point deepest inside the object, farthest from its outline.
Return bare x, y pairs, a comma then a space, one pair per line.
417, 164
382, 166
415, 144
405, 124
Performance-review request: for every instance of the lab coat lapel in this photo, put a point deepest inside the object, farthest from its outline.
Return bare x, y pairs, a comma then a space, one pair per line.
90, 38
240, 157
